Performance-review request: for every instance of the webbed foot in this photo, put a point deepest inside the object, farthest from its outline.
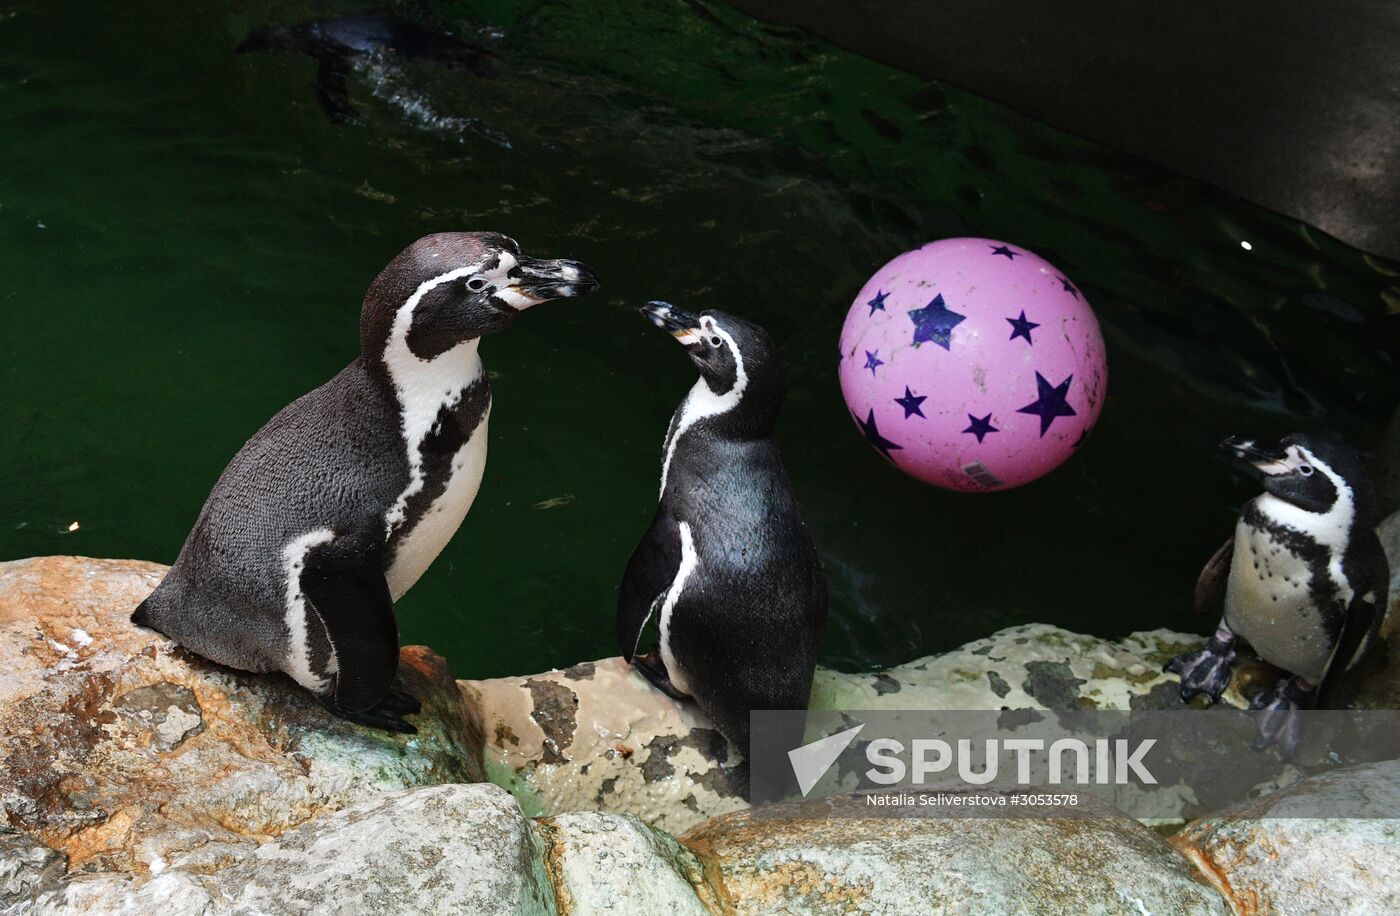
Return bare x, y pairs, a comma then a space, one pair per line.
1205, 671
396, 702
654, 669
386, 715
1278, 719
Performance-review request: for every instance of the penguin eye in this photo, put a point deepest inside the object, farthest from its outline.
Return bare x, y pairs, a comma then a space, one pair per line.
1306, 470
715, 342
476, 284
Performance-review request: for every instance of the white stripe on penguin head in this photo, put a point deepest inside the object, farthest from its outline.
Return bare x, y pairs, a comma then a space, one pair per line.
702, 402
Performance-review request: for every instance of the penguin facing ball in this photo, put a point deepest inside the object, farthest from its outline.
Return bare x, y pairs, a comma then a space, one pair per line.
727, 569
1303, 581
332, 511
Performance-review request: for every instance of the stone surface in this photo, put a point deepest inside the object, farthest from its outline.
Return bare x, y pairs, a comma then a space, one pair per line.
894, 866
435, 850
170, 894
27, 869
1264, 861
1389, 531
1035, 666
127, 754
135, 778
615, 864
597, 736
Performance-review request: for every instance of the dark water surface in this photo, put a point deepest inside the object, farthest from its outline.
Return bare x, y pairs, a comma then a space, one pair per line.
185, 239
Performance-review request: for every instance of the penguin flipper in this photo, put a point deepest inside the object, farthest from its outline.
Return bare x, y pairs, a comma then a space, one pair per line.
1361, 618
332, 90
354, 605
1210, 587
653, 668
650, 572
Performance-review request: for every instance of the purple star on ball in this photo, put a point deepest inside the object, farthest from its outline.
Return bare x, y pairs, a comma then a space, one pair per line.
1051, 401
935, 322
1020, 327
910, 402
980, 427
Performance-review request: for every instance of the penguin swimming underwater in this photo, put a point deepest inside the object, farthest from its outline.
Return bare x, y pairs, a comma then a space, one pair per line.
727, 568
332, 511
1303, 581
338, 45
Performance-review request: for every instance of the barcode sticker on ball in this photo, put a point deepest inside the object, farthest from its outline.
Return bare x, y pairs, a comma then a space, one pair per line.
981, 476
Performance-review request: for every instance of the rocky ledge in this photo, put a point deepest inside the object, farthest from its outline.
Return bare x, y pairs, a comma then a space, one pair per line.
137, 778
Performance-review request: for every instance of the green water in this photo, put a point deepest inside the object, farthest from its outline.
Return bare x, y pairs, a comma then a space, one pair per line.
184, 242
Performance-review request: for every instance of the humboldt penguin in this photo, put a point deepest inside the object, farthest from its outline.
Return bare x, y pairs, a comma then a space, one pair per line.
339, 45
727, 570
1303, 582
332, 511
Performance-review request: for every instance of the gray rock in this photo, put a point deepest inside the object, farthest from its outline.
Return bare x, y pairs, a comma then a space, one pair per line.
170, 894
443, 849
599, 737
27, 869
614, 864
1389, 531
925, 865
1264, 861
150, 758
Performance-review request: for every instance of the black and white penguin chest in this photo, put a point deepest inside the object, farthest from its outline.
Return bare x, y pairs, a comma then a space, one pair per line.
444, 405
1287, 593
679, 497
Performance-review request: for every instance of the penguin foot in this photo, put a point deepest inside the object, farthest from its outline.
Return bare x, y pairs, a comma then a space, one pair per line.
654, 669
386, 715
400, 703
1205, 671
1278, 719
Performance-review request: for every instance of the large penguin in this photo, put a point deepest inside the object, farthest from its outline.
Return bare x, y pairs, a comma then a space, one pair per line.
727, 569
332, 511
1303, 581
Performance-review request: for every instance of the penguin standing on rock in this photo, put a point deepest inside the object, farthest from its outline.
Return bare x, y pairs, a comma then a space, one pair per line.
727, 569
332, 511
1303, 581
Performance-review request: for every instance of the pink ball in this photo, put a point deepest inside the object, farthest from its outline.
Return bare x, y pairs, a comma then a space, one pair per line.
973, 365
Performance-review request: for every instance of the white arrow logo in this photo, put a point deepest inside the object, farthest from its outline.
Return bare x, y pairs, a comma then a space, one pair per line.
811, 761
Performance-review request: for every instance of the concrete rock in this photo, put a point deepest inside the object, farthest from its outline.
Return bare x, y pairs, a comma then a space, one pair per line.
1034, 666
1264, 861
170, 894
127, 754
440, 849
1389, 532
913, 865
597, 736
27, 869
614, 864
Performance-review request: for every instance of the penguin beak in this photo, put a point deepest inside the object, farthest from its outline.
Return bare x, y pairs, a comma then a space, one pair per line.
1267, 459
683, 326
537, 280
